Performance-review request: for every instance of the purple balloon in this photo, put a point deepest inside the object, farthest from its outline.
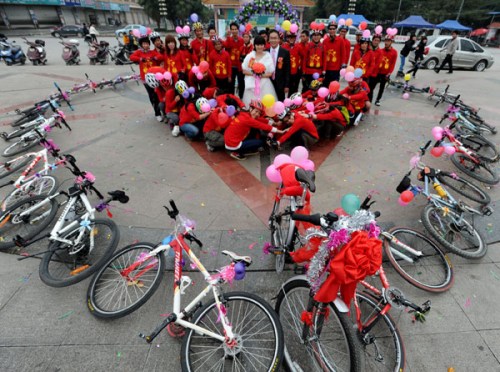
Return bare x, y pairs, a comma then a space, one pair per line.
191, 90
230, 110
315, 76
185, 94
239, 271
242, 28
212, 103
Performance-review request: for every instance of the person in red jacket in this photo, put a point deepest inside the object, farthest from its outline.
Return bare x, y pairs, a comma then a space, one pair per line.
388, 57
201, 47
208, 81
188, 57
220, 65
173, 59
244, 50
347, 45
357, 92
192, 118
147, 58
236, 134
373, 80
216, 123
334, 55
363, 58
301, 130
233, 45
314, 58
214, 93
295, 62
169, 100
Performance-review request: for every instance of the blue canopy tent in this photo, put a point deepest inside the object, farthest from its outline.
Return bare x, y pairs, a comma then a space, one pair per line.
452, 25
414, 22
356, 19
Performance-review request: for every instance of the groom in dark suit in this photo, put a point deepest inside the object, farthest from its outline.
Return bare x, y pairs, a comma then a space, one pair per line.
281, 59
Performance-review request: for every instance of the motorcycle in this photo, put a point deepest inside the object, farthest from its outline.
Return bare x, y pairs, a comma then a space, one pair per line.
11, 54
36, 51
98, 52
71, 54
120, 54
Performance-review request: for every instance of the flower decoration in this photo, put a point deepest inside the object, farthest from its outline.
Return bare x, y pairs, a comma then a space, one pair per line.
258, 68
284, 8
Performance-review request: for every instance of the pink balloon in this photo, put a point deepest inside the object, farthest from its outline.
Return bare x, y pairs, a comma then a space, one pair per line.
282, 159
406, 96
297, 101
167, 75
349, 76
294, 28
342, 72
148, 30
186, 29
299, 154
308, 164
199, 76
178, 29
278, 107
159, 76
450, 150
205, 107
136, 33
273, 174
341, 22
195, 69
323, 92
379, 29
310, 106
287, 102
402, 203
366, 33
437, 133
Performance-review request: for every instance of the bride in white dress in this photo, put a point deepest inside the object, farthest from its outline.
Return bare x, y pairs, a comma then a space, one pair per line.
266, 85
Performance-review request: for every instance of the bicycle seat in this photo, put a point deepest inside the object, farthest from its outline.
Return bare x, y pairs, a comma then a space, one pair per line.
427, 171
307, 177
245, 259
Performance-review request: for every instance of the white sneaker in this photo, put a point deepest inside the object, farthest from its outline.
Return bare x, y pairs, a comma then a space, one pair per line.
176, 131
210, 148
159, 118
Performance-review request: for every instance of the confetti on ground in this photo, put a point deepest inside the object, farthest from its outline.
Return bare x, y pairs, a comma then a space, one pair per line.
119, 354
494, 275
213, 252
202, 204
252, 245
65, 315
135, 241
24, 279
467, 303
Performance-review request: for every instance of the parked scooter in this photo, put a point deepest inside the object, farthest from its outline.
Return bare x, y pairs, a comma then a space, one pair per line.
98, 52
10, 53
71, 54
120, 54
36, 51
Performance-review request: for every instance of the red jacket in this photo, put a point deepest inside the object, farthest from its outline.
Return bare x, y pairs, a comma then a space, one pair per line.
387, 61
376, 62
245, 49
146, 60
334, 54
174, 63
200, 85
302, 52
220, 64
188, 58
239, 128
202, 49
213, 122
171, 105
295, 57
364, 62
188, 115
357, 96
314, 59
299, 123
334, 115
233, 47
347, 50
221, 100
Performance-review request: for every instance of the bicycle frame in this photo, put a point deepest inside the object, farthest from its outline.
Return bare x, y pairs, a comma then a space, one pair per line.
42, 155
402, 245
459, 147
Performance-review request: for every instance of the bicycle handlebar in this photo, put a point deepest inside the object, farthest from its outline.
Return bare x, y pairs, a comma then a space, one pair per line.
63, 96
424, 148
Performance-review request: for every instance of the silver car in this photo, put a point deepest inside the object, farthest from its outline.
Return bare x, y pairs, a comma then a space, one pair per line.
468, 55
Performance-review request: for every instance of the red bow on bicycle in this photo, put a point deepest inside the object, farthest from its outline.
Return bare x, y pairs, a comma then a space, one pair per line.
361, 257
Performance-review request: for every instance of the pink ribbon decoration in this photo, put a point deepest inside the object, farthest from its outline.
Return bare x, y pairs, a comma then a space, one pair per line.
257, 85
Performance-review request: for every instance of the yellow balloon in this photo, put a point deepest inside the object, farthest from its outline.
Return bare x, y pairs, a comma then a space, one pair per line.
286, 25
348, 22
407, 77
268, 100
349, 69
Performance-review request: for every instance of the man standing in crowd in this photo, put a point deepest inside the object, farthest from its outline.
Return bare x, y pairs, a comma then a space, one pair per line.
408, 47
388, 57
233, 45
450, 48
201, 46
314, 59
295, 62
281, 60
334, 55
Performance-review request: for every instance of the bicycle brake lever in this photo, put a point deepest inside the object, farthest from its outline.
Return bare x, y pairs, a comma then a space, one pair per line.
192, 238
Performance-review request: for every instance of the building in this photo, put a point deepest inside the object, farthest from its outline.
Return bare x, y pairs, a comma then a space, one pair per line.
40, 13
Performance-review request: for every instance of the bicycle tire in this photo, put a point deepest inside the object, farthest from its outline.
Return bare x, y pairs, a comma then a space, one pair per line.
207, 316
383, 339
42, 185
109, 278
25, 119
293, 298
434, 262
19, 132
461, 160
10, 222
481, 124
282, 230
59, 268
484, 148
12, 166
447, 237
21, 146
464, 187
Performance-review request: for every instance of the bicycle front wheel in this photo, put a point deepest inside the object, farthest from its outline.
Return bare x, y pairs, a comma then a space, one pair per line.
21, 146
481, 146
480, 171
258, 335
14, 165
112, 293
43, 185
382, 345
332, 347
464, 187
428, 268
454, 232
13, 223
89, 248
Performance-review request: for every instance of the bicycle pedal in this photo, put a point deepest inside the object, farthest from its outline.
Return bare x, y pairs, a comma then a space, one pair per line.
487, 211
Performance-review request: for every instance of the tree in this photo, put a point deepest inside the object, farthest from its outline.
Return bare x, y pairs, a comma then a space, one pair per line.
177, 10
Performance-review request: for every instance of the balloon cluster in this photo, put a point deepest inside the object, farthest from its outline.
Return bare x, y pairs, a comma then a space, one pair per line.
200, 70
299, 157
378, 30
184, 31
141, 32
317, 26
391, 31
350, 73
448, 148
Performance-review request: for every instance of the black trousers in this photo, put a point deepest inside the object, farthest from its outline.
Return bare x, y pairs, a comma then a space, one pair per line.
224, 86
235, 74
447, 60
331, 76
153, 98
294, 83
379, 79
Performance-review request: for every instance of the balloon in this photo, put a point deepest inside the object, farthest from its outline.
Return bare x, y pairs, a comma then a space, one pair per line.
185, 94
379, 29
340, 212
431, 90
342, 72
178, 29
437, 133
136, 32
239, 271
159, 76
282, 159
294, 28
315, 76
323, 92
406, 96
401, 202
407, 77
204, 66
437, 151
194, 17
358, 72
143, 30
287, 102
310, 106
270, 112
349, 76
186, 29
299, 154
230, 110
167, 76
312, 26
277, 27
223, 117
273, 174
366, 34
341, 22
205, 107
308, 164
348, 22
242, 28
191, 90
148, 30
278, 107
195, 69
199, 76
349, 69
407, 196
297, 101
450, 150
334, 87
268, 100
212, 102
350, 203
248, 27
332, 18
362, 26
321, 26
286, 25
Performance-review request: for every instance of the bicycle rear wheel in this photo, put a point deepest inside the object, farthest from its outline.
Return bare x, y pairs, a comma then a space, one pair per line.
14, 165
43, 185
259, 337
13, 225
480, 171
334, 348
20, 146
111, 294
26, 118
464, 187
484, 148
382, 344
453, 232
430, 271
66, 264
282, 229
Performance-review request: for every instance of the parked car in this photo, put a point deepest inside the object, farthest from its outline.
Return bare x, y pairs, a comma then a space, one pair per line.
126, 29
468, 55
68, 30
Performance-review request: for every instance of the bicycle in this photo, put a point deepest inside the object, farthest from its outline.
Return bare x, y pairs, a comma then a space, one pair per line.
214, 333
443, 216
78, 243
466, 124
407, 87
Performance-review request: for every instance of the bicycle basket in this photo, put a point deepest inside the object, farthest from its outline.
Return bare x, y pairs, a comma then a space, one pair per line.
404, 184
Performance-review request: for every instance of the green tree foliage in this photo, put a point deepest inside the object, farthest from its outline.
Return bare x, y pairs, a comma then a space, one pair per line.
176, 9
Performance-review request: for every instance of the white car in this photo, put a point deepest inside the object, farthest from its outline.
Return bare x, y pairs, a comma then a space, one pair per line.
126, 29
351, 34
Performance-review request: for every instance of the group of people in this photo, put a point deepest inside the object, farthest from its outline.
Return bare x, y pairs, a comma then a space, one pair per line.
192, 85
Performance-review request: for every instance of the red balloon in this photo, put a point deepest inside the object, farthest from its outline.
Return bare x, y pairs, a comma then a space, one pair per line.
204, 66
363, 25
312, 26
407, 196
321, 26
437, 151
334, 87
340, 212
223, 118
